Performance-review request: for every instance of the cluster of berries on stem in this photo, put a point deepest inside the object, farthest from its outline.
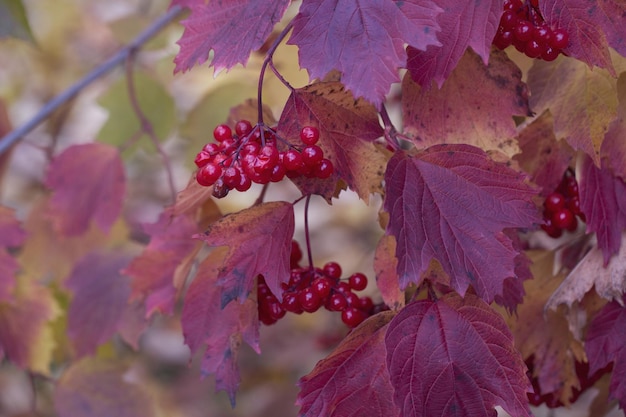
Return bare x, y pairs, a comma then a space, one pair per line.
562, 207
311, 288
523, 26
250, 154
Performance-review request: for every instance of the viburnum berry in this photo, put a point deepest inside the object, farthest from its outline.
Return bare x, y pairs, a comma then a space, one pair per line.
357, 281
222, 132
352, 316
209, 174
322, 286
564, 219
554, 202
312, 155
243, 127
309, 135
333, 270
324, 169
336, 302
309, 300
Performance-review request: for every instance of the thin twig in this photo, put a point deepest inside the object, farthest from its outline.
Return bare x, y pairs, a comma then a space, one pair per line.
114, 61
146, 125
391, 134
306, 230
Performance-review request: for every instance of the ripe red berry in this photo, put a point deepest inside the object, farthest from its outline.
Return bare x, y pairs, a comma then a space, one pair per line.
244, 182
357, 281
291, 302
309, 135
312, 155
336, 302
222, 132
202, 159
231, 177
332, 270
551, 229
564, 219
533, 48
324, 169
560, 39
292, 160
554, 202
352, 316
366, 304
550, 54
523, 31
508, 20
208, 174
322, 286
243, 127
309, 300
220, 190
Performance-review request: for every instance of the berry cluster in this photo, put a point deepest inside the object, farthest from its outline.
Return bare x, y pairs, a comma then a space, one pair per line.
562, 206
585, 380
310, 288
522, 26
236, 160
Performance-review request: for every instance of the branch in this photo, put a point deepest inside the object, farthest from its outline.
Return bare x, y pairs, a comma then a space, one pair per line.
7, 141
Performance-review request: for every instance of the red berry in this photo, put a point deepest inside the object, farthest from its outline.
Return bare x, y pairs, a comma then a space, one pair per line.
554, 202
278, 173
220, 190
560, 39
208, 174
574, 206
503, 39
332, 270
324, 169
291, 302
292, 160
312, 155
357, 281
309, 300
352, 316
251, 148
321, 286
244, 182
231, 177
352, 299
550, 54
366, 304
336, 302
202, 159
523, 31
509, 20
243, 127
211, 148
309, 135
222, 132
275, 310
343, 287
267, 159
533, 49
564, 219
551, 229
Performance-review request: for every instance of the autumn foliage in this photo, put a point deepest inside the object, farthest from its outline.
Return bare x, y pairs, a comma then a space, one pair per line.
475, 305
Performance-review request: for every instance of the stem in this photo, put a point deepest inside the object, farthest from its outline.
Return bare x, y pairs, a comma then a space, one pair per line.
261, 197
391, 134
72, 91
306, 230
146, 125
268, 59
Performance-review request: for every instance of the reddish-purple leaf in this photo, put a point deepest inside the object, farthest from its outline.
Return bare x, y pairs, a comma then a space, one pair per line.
386, 268
347, 128
513, 287
221, 329
259, 241
592, 27
543, 157
11, 235
343, 35
88, 184
100, 299
232, 29
603, 200
464, 23
614, 146
454, 357
97, 388
606, 343
353, 380
451, 203
456, 112
154, 272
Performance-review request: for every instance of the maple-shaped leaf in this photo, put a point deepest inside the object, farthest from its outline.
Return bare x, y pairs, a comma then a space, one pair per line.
513, 287
605, 343
11, 235
542, 156
25, 338
603, 200
613, 148
386, 268
259, 241
546, 334
204, 321
353, 380
583, 102
451, 203
455, 113
95, 387
88, 184
608, 281
100, 298
342, 35
592, 27
456, 357
232, 30
464, 24
347, 128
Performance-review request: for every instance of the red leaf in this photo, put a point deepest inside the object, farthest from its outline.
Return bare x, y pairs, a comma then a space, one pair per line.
464, 23
386, 268
606, 343
456, 113
454, 357
100, 300
97, 388
88, 184
232, 30
603, 200
451, 203
342, 35
204, 322
591, 25
11, 235
614, 147
347, 128
353, 380
259, 239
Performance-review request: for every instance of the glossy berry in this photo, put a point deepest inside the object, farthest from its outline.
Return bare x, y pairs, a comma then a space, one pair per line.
309, 300
523, 31
209, 174
357, 281
291, 303
554, 202
352, 316
309, 135
243, 127
324, 169
332, 270
322, 286
564, 219
222, 132
312, 155
336, 302
560, 39
292, 160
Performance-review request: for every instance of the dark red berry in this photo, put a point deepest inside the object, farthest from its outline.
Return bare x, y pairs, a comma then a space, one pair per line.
309, 300
324, 169
357, 281
509, 20
312, 155
222, 132
202, 159
352, 316
352, 299
534, 49
220, 190
243, 127
208, 174
550, 54
332, 270
244, 182
291, 302
292, 160
336, 302
278, 173
322, 286
366, 304
523, 31
309, 135
211, 148
231, 177
560, 39
551, 229
554, 202
564, 219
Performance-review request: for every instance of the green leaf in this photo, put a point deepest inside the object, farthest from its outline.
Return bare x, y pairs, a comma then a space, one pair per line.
123, 124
